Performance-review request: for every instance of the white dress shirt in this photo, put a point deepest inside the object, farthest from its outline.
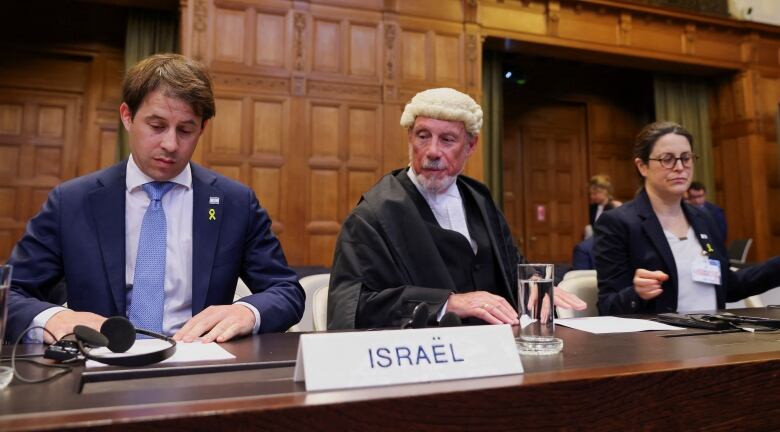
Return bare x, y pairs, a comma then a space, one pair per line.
599, 211
177, 204
447, 208
691, 295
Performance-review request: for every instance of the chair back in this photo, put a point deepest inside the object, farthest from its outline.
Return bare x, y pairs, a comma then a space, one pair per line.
579, 273
320, 309
584, 286
738, 250
754, 302
310, 286
242, 290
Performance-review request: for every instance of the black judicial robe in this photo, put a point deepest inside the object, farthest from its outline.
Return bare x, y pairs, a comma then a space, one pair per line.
386, 261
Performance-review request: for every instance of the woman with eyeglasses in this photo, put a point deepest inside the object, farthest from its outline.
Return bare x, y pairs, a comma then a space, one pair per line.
657, 253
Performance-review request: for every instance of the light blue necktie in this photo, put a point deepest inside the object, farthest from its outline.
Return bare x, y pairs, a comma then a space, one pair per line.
148, 295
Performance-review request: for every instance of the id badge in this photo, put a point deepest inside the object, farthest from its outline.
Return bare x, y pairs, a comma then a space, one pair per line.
706, 270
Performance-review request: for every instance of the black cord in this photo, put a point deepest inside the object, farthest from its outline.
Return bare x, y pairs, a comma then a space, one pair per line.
63, 369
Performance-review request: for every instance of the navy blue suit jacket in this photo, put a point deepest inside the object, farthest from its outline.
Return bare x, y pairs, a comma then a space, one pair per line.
631, 237
582, 256
79, 236
720, 218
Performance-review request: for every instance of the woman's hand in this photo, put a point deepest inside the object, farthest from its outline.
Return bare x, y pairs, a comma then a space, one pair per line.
647, 284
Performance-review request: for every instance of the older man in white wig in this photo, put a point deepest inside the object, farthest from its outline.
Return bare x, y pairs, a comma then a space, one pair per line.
427, 234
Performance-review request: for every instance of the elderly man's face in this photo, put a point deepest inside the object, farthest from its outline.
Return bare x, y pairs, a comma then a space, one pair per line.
438, 150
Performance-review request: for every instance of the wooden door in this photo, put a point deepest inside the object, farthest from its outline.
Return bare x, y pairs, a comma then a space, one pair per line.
37, 152
546, 179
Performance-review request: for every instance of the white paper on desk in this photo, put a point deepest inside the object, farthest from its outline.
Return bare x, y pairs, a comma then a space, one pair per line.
610, 324
185, 352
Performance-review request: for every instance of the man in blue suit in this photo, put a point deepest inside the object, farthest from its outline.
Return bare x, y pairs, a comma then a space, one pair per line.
155, 238
697, 195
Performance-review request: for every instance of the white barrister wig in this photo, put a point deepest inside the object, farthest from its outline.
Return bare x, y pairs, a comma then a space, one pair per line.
444, 104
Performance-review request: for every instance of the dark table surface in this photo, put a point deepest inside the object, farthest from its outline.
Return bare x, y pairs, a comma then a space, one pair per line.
620, 372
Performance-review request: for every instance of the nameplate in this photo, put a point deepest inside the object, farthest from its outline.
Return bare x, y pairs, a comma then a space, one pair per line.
328, 361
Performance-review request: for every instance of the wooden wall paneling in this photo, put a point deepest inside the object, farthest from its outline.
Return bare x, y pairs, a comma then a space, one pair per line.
295, 187
528, 17
365, 44
37, 144
428, 45
741, 144
445, 10
272, 42
448, 62
584, 22
769, 97
339, 59
230, 36
325, 184
364, 152
415, 63
353, 4
346, 44
268, 157
395, 146
98, 147
617, 28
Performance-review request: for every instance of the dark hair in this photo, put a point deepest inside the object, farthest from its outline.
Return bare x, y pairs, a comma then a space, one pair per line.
176, 76
650, 134
696, 185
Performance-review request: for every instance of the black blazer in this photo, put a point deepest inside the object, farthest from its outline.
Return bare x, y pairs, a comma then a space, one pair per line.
631, 237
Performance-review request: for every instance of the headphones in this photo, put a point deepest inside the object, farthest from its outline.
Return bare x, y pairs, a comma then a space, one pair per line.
118, 334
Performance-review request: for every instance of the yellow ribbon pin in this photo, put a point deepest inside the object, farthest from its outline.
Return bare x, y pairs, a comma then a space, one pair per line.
709, 248
212, 214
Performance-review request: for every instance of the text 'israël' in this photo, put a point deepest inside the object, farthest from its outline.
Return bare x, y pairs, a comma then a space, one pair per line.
435, 353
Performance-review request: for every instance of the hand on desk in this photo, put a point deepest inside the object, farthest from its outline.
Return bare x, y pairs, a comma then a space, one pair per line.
647, 284
566, 300
62, 323
488, 307
562, 299
218, 323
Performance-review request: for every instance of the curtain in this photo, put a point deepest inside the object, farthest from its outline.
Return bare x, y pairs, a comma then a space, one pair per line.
492, 129
686, 101
148, 32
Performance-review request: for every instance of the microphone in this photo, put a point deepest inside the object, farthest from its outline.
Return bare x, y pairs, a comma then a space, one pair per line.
419, 317
90, 336
450, 319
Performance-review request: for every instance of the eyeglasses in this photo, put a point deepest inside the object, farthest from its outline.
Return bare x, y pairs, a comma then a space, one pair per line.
668, 160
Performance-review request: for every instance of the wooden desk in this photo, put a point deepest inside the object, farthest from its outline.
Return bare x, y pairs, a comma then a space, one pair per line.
608, 382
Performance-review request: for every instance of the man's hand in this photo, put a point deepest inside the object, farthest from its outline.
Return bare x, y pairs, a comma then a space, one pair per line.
221, 322
566, 300
647, 284
488, 307
62, 323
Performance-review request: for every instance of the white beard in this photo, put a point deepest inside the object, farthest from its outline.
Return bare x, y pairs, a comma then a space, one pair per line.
436, 185
433, 185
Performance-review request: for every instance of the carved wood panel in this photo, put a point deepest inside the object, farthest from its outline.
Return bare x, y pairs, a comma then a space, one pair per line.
310, 92
37, 152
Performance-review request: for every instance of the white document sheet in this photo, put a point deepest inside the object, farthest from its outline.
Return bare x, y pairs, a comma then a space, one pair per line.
610, 324
185, 352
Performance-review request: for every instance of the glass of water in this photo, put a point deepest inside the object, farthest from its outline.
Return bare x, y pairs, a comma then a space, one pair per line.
536, 310
6, 373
